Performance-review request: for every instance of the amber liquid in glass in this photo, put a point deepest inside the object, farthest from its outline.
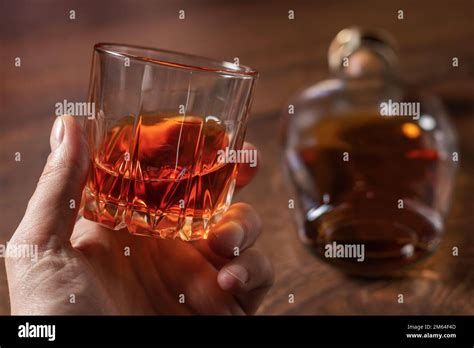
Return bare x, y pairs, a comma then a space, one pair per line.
368, 181
160, 176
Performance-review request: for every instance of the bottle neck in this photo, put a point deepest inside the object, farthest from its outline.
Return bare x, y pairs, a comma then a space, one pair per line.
360, 54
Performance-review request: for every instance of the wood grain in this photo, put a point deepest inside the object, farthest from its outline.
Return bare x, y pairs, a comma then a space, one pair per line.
55, 53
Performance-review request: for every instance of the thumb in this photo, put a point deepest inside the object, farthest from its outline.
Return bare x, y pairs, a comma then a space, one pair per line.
52, 210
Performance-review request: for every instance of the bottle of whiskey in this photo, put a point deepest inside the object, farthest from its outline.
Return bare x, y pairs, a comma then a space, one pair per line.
371, 159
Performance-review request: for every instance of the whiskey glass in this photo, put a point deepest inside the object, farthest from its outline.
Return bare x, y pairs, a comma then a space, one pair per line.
161, 120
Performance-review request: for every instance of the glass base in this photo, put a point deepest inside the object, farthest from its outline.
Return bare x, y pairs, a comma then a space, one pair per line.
144, 223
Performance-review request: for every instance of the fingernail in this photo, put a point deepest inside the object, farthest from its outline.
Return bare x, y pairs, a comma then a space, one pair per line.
233, 273
57, 133
227, 236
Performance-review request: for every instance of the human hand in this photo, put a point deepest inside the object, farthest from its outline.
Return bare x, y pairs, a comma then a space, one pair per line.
82, 267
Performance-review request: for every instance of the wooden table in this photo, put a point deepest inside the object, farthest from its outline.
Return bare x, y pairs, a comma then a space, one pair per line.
55, 54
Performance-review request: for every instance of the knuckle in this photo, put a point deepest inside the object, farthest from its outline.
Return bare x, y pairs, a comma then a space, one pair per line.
57, 166
248, 218
245, 208
270, 273
265, 267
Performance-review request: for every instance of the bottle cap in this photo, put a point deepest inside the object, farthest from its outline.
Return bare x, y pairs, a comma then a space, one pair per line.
356, 52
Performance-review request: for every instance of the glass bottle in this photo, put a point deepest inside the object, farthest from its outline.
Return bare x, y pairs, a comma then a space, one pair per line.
372, 161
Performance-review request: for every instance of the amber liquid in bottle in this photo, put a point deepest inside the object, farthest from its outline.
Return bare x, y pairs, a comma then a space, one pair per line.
368, 175
159, 176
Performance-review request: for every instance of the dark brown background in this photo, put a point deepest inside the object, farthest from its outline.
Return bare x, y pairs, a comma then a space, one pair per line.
290, 54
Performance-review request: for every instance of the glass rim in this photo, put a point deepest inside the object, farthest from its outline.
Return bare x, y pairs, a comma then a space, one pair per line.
214, 66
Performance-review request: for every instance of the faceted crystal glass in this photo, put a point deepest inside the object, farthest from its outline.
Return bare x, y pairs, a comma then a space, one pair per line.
161, 120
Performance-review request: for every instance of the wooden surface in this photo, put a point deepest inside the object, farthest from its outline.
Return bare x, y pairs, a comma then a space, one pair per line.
290, 54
